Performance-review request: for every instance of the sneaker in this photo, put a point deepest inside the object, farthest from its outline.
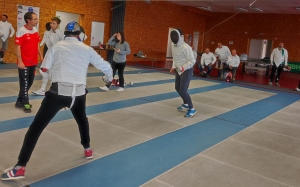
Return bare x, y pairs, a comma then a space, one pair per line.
183, 107
14, 173
270, 84
39, 92
277, 84
88, 153
19, 105
190, 113
27, 108
120, 89
104, 88
297, 89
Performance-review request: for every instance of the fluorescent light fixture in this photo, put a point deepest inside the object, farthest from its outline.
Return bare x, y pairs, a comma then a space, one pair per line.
256, 9
204, 8
298, 8
241, 9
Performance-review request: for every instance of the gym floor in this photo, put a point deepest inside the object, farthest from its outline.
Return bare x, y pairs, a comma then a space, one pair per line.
241, 136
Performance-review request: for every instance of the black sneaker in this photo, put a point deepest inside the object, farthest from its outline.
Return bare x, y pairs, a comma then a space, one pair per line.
19, 105
27, 108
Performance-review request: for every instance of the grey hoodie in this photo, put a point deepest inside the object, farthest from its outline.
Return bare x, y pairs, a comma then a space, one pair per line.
124, 50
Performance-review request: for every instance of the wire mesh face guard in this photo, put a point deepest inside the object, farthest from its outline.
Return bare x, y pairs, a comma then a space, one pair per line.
174, 36
73, 28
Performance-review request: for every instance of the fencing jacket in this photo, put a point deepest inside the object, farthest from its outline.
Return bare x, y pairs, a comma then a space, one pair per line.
234, 61
222, 53
279, 56
208, 58
183, 56
67, 63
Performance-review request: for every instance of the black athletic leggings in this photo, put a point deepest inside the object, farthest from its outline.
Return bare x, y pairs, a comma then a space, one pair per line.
279, 69
120, 67
51, 104
26, 77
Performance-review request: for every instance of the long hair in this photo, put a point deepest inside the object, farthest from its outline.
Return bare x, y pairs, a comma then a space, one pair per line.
122, 37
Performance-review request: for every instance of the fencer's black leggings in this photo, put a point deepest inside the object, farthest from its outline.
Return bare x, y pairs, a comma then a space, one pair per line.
120, 67
182, 83
26, 77
51, 104
279, 69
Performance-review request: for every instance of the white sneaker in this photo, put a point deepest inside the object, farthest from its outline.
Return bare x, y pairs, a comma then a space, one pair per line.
39, 92
104, 88
120, 89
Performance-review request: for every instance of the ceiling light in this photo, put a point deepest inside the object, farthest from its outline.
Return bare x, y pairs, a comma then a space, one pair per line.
204, 8
298, 9
256, 9
241, 9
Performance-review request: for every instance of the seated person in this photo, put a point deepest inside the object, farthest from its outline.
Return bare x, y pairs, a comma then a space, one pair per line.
222, 52
232, 64
208, 59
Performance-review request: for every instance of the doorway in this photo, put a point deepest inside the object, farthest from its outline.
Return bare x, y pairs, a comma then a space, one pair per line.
260, 49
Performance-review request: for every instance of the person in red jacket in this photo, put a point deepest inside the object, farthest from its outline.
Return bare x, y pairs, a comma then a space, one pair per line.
28, 49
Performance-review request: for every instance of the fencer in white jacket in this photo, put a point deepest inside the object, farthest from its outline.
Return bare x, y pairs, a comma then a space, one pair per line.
67, 64
183, 62
278, 60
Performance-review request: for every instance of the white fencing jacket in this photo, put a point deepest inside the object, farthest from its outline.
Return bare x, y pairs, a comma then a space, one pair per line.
183, 56
277, 57
233, 61
222, 53
208, 58
67, 63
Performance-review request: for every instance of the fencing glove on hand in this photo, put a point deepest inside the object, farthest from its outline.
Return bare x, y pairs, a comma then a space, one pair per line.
107, 79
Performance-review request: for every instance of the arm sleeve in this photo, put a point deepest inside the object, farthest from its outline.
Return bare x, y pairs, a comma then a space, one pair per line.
49, 59
238, 63
127, 49
272, 58
112, 41
12, 31
101, 64
214, 58
202, 59
19, 38
188, 53
286, 57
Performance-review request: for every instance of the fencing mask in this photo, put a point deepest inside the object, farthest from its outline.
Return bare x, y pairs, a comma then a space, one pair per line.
176, 36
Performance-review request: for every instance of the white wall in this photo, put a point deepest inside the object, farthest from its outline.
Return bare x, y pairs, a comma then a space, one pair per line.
66, 18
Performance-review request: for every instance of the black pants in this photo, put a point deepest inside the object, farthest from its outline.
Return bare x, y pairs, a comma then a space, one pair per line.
51, 104
182, 83
279, 69
45, 50
26, 77
120, 67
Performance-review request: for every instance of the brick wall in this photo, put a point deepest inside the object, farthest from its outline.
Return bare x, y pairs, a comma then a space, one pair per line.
147, 26
279, 28
90, 10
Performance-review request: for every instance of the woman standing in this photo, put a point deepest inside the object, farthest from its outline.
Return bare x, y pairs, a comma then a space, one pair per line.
122, 49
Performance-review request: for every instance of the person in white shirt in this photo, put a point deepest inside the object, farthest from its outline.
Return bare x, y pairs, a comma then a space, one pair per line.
6, 30
279, 60
46, 38
233, 63
208, 59
222, 52
53, 36
67, 63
